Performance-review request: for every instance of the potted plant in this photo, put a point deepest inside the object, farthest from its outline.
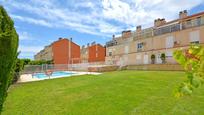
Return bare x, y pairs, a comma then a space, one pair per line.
153, 58
163, 57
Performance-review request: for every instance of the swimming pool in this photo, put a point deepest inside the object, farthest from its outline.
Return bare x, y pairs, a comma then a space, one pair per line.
54, 75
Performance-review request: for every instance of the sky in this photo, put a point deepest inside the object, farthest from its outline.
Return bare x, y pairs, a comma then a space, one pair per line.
40, 22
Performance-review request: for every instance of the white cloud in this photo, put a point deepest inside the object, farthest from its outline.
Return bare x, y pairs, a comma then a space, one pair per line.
96, 17
24, 36
29, 49
32, 20
143, 12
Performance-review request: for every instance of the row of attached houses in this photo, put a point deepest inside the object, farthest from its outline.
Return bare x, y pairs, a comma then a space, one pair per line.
137, 47
93, 53
65, 51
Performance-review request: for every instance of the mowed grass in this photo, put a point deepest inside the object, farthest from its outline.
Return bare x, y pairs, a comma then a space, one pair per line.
113, 93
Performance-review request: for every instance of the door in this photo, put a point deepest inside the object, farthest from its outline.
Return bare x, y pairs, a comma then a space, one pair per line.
158, 58
145, 59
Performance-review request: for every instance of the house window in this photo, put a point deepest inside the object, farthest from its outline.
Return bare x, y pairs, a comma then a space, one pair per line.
110, 53
139, 46
188, 22
199, 21
194, 37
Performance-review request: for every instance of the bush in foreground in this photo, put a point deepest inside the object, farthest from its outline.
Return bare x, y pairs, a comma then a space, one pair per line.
8, 52
192, 60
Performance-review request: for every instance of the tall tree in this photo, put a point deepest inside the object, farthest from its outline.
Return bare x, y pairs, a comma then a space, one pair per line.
8, 52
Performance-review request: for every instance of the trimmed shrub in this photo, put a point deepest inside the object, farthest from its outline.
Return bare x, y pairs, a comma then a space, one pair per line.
153, 58
18, 68
163, 57
8, 52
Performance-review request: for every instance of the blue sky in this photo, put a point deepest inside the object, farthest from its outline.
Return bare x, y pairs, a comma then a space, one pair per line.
40, 22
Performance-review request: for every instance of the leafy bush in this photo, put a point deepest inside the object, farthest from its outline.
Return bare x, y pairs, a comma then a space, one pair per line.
192, 60
26, 61
40, 62
8, 53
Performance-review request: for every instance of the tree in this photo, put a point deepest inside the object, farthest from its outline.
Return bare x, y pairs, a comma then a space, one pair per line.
8, 52
153, 58
192, 60
163, 57
26, 61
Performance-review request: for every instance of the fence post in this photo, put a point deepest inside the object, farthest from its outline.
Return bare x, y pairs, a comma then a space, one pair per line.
42, 68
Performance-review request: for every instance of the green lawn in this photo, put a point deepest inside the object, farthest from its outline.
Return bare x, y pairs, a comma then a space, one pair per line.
114, 93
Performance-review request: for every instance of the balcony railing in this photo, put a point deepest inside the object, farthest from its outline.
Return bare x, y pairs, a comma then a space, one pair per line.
167, 29
193, 23
111, 43
149, 32
118, 41
146, 33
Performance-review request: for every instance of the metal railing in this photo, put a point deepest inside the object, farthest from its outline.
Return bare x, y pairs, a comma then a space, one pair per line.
193, 23
30, 69
167, 29
149, 32
111, 43
146, 33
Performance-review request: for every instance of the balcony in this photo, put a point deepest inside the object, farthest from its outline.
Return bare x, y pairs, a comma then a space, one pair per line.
111, 43
193, 23
167, 29
146, 33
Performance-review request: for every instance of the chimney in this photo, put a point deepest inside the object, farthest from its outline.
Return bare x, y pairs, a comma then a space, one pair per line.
83, 46
113, 36
60, 38
126, 34
158, 22
139, 28
93, 43
183, 14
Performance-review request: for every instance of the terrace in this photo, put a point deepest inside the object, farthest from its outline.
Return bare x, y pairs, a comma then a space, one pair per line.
149, 32
167, 29
193, 23
143, 34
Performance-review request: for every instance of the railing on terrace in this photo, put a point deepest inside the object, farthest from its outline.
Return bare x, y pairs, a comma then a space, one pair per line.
193, 23
167, 29
119, 42
111, 43
149, 32
146, 33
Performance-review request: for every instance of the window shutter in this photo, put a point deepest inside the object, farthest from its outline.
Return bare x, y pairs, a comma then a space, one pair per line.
194, 36
169, 42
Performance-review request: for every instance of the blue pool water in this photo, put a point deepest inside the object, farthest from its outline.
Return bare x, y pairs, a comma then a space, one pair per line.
54, 74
